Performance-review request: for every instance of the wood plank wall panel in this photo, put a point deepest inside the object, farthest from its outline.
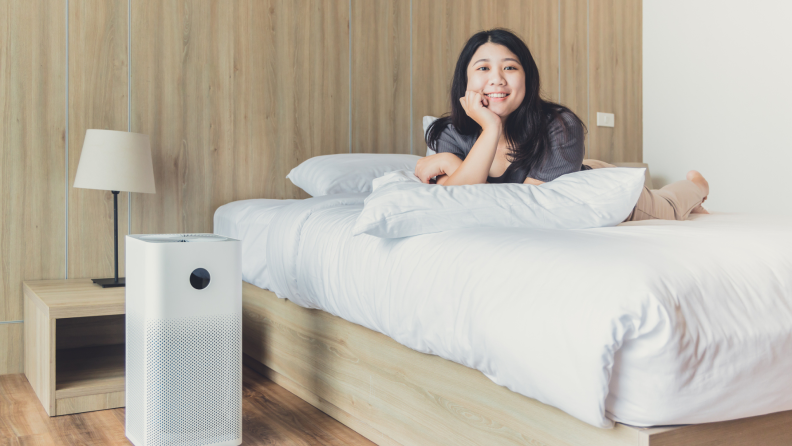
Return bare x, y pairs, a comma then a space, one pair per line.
380, 76
442, 27
233, 96
11, 348
260, 166
573, 65
615, 46
97, 100
303, 66
181, 59
32, 161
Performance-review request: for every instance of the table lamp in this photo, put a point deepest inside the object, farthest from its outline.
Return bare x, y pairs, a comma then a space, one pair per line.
115, 161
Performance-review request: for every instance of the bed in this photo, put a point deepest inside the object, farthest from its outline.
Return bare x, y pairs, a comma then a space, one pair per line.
659, 323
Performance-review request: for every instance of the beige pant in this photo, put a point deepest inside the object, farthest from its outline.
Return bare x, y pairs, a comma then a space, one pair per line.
673, 202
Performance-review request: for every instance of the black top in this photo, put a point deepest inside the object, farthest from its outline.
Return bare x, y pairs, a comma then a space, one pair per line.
565, 155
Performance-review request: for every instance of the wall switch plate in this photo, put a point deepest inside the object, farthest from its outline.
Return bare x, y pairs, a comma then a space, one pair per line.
605, 119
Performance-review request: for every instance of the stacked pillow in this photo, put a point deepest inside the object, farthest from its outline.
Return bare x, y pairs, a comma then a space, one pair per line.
347, 172
427, 121
402, 206
351, 172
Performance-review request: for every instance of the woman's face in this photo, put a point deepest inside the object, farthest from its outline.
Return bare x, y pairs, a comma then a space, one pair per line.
495, 71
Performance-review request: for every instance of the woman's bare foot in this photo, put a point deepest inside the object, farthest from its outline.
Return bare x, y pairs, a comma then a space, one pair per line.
699, 181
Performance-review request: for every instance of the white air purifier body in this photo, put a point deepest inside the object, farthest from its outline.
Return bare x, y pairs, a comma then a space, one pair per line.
183, 340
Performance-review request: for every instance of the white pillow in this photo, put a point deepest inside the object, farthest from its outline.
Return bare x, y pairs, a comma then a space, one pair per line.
402, 206
347, 172
427, 121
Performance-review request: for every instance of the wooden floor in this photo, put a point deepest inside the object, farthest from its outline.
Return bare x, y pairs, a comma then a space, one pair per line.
271, 416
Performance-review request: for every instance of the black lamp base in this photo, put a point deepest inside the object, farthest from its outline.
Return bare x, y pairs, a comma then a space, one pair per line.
114, 281
109, 283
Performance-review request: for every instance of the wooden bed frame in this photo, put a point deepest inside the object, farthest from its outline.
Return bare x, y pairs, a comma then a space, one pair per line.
394, 395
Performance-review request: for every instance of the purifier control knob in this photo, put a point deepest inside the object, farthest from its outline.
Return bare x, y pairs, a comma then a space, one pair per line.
199, 279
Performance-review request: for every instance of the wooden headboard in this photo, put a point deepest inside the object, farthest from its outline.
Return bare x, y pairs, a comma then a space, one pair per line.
234, 94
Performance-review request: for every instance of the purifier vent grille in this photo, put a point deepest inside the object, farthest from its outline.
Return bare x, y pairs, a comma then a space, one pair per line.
134, 376
193, 388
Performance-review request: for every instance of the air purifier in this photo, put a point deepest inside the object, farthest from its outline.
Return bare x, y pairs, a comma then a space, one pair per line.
183, 340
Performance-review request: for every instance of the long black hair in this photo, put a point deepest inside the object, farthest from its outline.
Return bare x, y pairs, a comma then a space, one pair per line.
526, 128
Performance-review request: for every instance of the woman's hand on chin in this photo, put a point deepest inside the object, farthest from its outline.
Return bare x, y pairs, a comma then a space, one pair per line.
475, 105
436, 165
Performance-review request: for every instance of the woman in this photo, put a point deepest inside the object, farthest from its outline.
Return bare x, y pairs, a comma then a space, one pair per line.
500, 130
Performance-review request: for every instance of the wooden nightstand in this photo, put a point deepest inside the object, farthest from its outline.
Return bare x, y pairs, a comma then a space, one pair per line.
74, 345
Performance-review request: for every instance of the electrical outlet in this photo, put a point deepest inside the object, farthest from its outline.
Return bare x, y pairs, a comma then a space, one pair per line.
605, 119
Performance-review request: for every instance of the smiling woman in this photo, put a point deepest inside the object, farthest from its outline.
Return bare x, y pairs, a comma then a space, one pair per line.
500, 130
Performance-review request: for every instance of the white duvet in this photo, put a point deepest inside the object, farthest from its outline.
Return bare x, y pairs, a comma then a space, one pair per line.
647, 323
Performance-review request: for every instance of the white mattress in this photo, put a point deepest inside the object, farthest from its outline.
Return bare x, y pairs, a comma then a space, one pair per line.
647, 323
247, 221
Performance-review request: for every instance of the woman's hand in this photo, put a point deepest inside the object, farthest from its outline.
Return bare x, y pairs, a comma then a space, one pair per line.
435, 165
532, 181
475, 105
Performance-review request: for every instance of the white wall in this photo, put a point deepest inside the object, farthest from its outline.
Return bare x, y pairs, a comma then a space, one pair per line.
717, 92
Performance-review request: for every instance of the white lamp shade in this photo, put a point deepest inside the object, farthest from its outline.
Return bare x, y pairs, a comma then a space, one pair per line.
113, 160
